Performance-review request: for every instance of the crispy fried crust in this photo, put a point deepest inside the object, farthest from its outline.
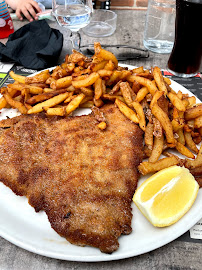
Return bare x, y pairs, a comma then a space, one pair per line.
82, 177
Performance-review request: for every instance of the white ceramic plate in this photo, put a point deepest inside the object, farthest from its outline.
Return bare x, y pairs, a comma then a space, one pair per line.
22, 226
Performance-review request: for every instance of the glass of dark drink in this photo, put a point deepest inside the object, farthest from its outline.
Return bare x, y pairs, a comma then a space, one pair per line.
185, 58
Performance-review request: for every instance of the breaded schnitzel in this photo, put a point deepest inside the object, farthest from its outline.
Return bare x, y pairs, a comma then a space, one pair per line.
82, 177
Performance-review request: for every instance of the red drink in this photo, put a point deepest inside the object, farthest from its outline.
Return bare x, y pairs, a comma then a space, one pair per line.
185, 58
6, 24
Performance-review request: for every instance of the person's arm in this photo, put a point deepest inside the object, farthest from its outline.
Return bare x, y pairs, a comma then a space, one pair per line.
29, 8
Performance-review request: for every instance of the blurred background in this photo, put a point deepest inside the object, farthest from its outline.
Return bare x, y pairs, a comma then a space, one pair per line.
125, 4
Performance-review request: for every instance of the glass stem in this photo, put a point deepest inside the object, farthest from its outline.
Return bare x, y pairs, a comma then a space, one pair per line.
75, 38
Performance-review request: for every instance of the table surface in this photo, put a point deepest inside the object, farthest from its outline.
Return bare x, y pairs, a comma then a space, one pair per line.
175, 255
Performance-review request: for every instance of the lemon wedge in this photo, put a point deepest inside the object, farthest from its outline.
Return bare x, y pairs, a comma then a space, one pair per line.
166, 196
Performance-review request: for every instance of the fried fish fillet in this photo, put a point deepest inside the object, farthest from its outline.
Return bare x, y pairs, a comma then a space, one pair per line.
82, 177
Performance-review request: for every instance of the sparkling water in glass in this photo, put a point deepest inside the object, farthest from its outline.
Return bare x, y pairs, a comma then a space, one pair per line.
160, 26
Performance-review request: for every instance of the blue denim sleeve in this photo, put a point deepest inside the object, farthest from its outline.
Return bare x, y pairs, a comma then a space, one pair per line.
48, 3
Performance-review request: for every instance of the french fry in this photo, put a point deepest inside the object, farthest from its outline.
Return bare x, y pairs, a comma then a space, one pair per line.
177, 102
104, 54
165, 122
168, 154
98, 89
197, 139
167, 80
78, 70
155, 98
71, 88
69, 98
56, 111
159, 80
196, 162
98, 102
179, 94
130, 114
141, 94
145, 73
32, 89
198, 122
181, 138
3, 103
158, 130
147, 152
138, 70
38, 78
148, 137
16, 77
104, 72
192, 101
115, 88
48, 103
110, 65
77, 77
124, 74
47, 90
68, 66
87, 91
143, 81
140, 113
61, 83
149, 167
190, 143
114, 78
178, 121
157, 149
84, 100
99, 66
112, 97
127, 93
193, 112
87, 104
14, 103
91, 79
184, 150
76, 57
136, 87
41, 97
74, 104
16, 86
102, 125
35, 90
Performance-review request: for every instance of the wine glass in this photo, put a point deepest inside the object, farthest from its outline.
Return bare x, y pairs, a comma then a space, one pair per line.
74, 15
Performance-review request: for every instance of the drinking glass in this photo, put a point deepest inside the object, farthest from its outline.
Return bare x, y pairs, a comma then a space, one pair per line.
186, 56
74, 15
160, 26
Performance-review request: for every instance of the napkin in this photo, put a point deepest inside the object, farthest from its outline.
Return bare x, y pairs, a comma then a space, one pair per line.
35, 45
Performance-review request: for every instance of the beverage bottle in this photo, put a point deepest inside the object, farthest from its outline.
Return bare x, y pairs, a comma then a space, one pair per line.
6, 24
186, 56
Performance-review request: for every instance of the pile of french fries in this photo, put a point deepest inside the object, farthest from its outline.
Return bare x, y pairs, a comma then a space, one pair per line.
168, 119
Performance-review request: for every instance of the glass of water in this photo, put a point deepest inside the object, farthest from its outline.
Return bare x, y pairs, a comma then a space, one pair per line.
74, 15
160, 26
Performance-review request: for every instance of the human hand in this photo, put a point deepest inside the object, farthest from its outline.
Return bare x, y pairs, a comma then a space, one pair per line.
28, 8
